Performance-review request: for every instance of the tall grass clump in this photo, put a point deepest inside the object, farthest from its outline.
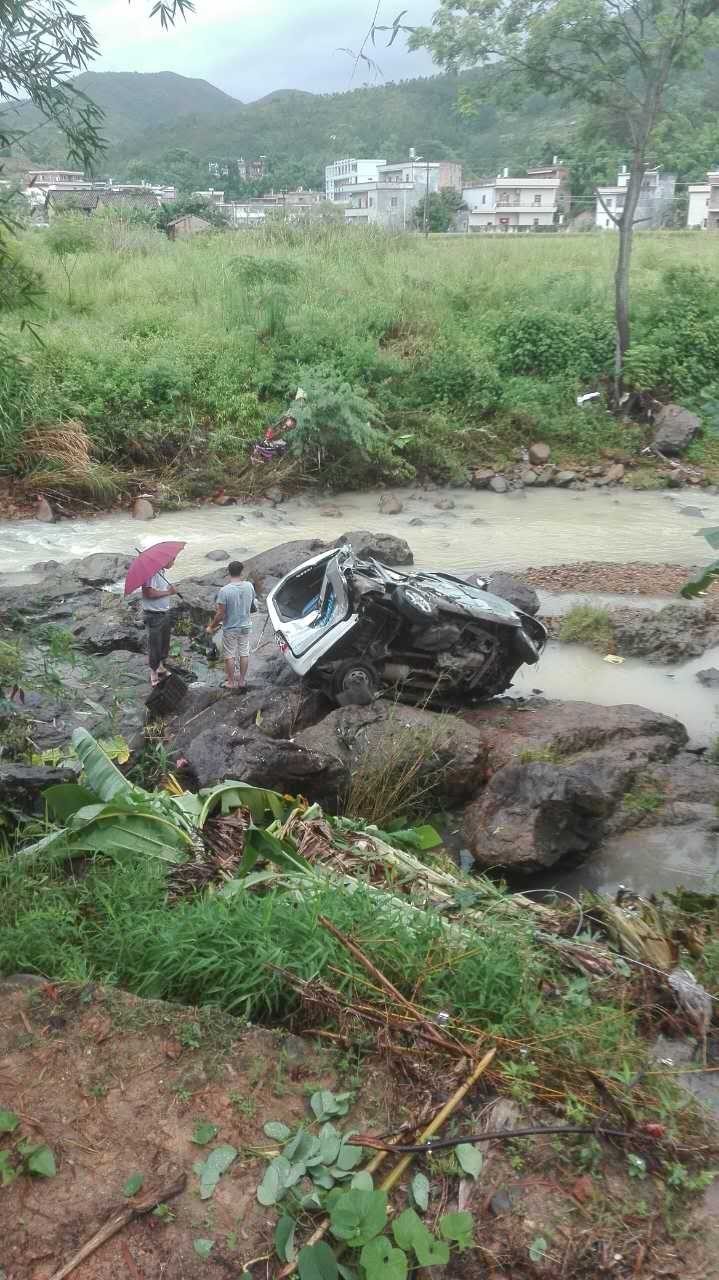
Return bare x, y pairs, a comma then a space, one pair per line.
586, 624
460, 349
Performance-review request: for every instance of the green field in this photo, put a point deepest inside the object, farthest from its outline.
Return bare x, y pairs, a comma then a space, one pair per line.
456, 349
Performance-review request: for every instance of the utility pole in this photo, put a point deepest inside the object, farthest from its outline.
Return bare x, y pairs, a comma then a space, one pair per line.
426, 202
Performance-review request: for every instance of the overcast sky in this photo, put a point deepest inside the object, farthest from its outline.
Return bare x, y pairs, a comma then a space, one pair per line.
250, 47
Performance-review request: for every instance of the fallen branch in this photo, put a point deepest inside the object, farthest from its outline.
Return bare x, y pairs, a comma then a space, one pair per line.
118, 1221
366, 1140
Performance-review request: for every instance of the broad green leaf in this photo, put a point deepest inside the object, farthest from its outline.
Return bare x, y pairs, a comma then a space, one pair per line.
458, 1227
537, 1249
317, 1262
274, 1184
262, 844
362, 1181
712, 537
349, 1156
322, 1177
346, 1273
330, 1143
357, 1216
66, 798
265, 806
383, 1262
703, 580
326, 1104
422, 837
41, 1162
410, 1232
203, 1247
203, 1133
470, 1159
420, 1191
8, 1172
133, 1184
9, 1121
277, 1130
100, 773
211, 1170
285, 1239
303, 1146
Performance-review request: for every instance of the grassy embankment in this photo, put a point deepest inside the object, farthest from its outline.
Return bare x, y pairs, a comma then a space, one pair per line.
173, 356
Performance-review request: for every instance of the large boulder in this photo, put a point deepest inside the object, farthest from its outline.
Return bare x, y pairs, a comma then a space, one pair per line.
278, 763
274, 710
443, 753
515, 591
380, 546
106, 630
675, 429
531, 815
99, 568
672, 634
23, 784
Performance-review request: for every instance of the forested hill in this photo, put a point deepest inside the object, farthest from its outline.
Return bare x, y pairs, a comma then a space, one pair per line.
169, 127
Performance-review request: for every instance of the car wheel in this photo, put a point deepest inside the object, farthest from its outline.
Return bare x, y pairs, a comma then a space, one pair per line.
414, 604
355, 681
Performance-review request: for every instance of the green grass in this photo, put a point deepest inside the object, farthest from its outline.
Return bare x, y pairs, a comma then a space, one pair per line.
468, 347
585, 624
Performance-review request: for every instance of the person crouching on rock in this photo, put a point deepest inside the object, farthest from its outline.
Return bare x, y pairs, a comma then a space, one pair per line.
156, 594
235, 604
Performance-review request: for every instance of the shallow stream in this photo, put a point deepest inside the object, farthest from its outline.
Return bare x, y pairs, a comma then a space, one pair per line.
484, 531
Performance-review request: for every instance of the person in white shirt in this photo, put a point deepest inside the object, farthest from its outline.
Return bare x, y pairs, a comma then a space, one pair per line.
156, 593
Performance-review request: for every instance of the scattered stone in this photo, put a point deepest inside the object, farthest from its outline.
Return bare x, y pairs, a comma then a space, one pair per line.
22, 784
43, 511
539, 453
223, 499
528, 477
445, 504
564, 478
330, 513
545, 476
516, 592
142, 509
481, 479
696, 512
478, 520
675, 429
502, 1202
389, 504
615, 474
217, 555
416, 523
275, 496
709, 677
498, 484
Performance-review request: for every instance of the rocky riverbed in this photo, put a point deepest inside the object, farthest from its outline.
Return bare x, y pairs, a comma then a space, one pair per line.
531, 783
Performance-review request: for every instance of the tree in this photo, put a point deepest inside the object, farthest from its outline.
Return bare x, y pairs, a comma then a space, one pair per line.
617, 56
442, 207
196, 205
68, 238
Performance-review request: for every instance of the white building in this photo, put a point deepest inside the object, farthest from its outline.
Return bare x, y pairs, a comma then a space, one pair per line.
655, 201
392, 196
698, 205
538, 201
713, 218
346, 173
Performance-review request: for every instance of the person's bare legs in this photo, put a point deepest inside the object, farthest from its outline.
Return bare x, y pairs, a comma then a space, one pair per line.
241, 680
229, 673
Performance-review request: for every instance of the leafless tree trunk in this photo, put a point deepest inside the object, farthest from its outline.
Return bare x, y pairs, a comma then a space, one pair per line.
621, 276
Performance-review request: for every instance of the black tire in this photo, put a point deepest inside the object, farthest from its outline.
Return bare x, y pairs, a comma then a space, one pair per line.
355, 676
414, 604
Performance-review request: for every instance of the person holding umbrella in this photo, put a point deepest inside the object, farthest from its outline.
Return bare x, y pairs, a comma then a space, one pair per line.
146, 571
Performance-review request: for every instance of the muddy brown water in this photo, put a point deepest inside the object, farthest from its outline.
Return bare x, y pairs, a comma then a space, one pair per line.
484, 531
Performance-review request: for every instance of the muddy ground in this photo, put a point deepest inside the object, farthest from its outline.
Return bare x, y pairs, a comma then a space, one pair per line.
634, 578
115, 1086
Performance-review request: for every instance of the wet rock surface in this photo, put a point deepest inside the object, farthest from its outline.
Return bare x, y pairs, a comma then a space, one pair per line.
674, 634
515, 591
675, 429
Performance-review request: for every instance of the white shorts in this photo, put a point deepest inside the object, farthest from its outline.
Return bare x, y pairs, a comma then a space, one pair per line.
236, 644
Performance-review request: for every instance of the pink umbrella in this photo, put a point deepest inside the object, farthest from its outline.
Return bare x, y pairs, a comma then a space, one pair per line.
150, 562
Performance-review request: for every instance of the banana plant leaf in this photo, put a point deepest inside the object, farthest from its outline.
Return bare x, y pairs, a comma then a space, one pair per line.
65, 798
711, 536
265, 806
703, 580
261, 844
101, 775
120, 827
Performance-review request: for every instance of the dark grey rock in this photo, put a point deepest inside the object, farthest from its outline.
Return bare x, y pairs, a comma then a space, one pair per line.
250, 756
709, 677
498, 484
518, 593
673, 634
696, 512
381, 546
24, 783
217, 555
564, 478
675, 428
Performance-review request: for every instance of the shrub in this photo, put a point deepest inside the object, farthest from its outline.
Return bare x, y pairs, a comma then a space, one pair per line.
584, 624
337, 434
459, 376
543, 342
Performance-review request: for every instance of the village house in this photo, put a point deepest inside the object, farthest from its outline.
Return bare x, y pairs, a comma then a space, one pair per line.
538, 201
391, 198
656, 201
713, 211
188, 225
349, 172
88, 202
698, 204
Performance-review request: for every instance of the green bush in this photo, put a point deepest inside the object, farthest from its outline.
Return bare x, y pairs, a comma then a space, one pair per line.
337, 433
544, 342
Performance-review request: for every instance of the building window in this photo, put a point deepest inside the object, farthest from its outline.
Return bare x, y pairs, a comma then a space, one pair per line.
394, 202
536, 222
538, 197
484, 199
371, 201
608, 202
